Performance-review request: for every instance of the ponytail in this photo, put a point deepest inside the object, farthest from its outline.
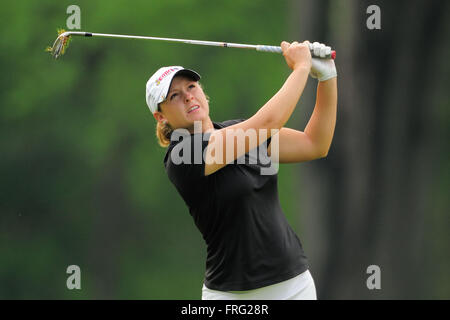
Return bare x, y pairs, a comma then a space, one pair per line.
163, 133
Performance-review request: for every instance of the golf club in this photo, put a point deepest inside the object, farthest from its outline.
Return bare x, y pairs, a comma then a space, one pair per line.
61, 43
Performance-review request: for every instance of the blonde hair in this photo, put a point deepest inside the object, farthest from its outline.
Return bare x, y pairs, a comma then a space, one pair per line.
164, 130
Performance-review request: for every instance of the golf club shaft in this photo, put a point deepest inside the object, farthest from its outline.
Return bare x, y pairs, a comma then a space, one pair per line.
262, 48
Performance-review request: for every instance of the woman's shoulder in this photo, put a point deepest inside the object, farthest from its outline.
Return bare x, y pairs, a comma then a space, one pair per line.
192, 142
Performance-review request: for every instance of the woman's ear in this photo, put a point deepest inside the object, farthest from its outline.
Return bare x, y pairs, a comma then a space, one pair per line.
159, 117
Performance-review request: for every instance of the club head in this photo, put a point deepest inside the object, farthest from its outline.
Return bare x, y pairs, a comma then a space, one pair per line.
59, 45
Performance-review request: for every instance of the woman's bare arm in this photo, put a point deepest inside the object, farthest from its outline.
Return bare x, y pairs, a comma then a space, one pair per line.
273, 115
315, 141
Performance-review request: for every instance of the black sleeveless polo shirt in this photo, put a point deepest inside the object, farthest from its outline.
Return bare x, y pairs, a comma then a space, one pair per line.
237, 210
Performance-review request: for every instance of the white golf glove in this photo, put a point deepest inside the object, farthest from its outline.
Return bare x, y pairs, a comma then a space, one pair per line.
322, 69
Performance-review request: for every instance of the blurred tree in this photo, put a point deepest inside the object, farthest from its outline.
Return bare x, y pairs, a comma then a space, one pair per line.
379, 196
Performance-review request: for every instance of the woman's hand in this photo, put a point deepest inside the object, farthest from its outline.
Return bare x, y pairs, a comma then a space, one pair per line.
322, 69
297, 55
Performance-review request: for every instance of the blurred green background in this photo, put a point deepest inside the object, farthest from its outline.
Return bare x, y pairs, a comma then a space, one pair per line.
82, 176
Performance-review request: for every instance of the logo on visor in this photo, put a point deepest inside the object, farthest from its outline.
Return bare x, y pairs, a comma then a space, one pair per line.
165, 74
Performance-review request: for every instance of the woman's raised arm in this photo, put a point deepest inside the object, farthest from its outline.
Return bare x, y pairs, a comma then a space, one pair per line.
273, 115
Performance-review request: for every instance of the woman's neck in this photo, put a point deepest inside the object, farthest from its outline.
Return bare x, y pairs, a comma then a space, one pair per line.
202, 126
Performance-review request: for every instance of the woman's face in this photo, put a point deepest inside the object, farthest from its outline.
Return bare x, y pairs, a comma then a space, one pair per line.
185, 103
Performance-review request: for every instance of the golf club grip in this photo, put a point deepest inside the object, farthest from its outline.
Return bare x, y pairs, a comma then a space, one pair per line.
278, 50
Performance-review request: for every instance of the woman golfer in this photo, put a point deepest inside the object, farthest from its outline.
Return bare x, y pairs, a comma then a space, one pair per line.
252, 252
